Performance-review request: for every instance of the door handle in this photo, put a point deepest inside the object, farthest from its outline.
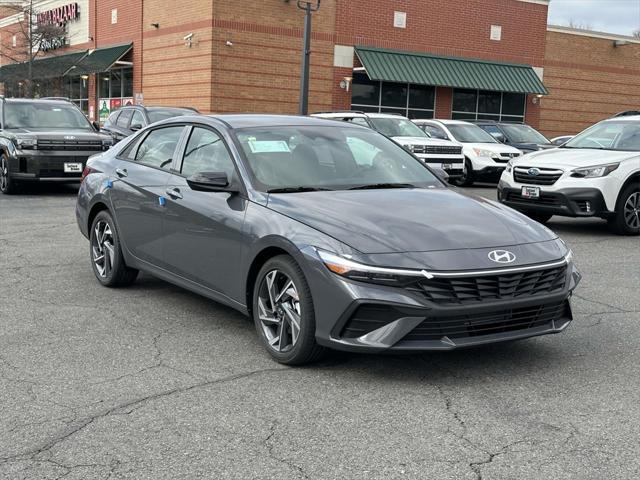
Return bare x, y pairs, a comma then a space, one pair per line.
174, 193
121, 172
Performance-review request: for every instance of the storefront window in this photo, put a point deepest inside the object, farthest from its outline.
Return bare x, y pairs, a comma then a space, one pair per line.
487, 105
115, 89
413, 101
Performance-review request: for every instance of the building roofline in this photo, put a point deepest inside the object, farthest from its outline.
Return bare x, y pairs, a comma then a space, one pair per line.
539, 2
592, 33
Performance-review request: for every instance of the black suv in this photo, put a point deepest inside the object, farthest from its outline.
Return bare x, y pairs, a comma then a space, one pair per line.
129, 119
518, 135
45, 140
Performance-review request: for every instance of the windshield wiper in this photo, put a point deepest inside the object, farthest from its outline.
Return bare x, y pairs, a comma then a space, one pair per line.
374, 186
297, 189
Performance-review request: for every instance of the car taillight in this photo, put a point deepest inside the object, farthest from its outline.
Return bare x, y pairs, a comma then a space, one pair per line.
87, 171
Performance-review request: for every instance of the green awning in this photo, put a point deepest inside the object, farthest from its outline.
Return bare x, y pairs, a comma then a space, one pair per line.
46, 67
425, 69
101, 59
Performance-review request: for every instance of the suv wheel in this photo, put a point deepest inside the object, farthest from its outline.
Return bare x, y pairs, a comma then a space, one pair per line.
467, 178
626, 220
106, 253
7, 185
283, 312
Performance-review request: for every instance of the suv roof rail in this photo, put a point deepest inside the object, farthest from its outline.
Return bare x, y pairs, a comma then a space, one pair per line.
339, 111
627, 113
64, 99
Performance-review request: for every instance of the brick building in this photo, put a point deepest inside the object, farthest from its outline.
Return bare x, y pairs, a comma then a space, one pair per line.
472, 59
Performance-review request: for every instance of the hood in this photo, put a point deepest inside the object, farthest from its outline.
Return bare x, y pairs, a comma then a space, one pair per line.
572, 157
423, 141
409, 220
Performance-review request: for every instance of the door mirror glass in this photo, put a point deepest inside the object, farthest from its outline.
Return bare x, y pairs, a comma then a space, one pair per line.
135, 127
96, 126
210, 182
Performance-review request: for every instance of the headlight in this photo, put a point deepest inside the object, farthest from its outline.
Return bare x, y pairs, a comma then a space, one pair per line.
366, 273
509, 167
26, 142
594, 172
481, 152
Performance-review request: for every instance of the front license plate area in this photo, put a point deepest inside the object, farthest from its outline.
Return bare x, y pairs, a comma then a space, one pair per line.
446, 166
73, 167
530, 192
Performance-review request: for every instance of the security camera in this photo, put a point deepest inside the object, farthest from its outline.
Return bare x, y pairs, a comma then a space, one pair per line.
188, 37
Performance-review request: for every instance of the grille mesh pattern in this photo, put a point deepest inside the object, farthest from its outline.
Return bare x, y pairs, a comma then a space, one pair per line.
464, 290
545, 177
437, 149
70, 145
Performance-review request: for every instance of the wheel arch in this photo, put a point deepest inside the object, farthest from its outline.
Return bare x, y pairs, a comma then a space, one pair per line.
96, 208
634, 177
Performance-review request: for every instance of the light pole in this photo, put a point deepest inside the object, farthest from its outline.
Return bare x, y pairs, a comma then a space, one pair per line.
309, 6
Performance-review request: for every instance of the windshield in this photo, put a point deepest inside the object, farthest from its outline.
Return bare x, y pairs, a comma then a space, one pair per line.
44, 116
523, 134
623, 136
335, 158
397, 127
158, 115
470, 134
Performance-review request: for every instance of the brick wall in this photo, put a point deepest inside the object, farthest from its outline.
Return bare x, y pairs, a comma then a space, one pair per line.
588, 80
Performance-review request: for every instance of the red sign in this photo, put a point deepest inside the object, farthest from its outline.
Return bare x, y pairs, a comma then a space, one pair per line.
59, 15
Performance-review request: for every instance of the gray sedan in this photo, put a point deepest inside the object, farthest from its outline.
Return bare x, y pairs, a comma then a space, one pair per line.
329, 235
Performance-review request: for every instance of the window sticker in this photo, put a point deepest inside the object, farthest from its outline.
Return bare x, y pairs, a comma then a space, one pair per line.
269, 146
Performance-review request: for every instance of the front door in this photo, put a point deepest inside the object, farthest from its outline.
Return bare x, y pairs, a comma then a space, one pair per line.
139, 182
203, 230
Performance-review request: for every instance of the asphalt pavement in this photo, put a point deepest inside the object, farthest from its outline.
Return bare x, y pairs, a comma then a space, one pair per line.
154, 382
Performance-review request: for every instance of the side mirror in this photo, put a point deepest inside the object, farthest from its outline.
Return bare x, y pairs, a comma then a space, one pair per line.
210, 182
135, 127
442, 175
96, 125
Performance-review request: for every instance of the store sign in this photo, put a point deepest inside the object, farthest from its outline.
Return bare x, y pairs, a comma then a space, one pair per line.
59, 15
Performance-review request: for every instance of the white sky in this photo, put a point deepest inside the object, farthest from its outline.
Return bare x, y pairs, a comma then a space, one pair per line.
614, 16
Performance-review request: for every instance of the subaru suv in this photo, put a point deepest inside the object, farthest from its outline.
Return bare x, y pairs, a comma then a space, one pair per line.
45, 140
595, 174
436, 153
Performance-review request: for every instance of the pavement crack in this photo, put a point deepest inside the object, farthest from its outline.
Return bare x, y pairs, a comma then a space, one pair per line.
608, 305
270, 446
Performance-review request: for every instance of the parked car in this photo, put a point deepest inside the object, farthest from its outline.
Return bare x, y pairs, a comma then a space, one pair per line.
595, 174
557, 141
442, 154
127, 120
484, 157
521, 136
45, 141
329, 235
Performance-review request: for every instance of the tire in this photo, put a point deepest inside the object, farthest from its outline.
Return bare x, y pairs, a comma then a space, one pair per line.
275, 324
467, 178
539, 217
7, 184
105, 253
626, 220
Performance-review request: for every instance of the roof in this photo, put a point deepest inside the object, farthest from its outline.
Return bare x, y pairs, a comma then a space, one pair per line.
426, 69
592, 33
101, 59
265, 120
444, 121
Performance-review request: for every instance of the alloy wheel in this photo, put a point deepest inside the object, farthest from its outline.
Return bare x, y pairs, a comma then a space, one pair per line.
279, 311
4, 174
102, 248
632, 210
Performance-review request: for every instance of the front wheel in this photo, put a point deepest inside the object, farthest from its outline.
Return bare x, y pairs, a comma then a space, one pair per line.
467, 178
626, 220
7, 184
106, 253
283, 312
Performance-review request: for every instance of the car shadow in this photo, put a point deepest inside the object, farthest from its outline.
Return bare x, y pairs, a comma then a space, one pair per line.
47, 189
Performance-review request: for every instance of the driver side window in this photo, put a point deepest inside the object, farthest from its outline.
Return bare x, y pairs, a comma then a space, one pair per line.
158, 148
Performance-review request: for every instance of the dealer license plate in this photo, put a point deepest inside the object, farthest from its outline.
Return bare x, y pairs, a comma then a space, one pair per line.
530, 192
73, 167
446, 166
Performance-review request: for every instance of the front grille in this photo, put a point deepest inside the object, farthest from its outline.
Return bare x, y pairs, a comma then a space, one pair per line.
437, 149
53, 166
543, 199
546, 176
464, 290
70, 145
488, 323
505, 157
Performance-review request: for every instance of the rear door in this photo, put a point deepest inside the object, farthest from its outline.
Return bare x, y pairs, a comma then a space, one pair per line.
139, 180
204, 229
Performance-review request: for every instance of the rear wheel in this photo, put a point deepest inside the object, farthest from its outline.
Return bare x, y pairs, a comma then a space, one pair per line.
539, 217
106, 253
467, 178
626, 220
283, 312
7, 184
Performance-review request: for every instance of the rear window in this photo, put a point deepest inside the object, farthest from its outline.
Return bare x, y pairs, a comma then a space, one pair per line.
158, 115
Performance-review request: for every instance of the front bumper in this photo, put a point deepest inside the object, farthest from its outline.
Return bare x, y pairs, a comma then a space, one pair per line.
568, 202
452, 164
47, 166
358, 316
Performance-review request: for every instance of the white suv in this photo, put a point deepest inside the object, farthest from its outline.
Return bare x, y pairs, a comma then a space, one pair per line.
595, 174
442, 154
485, 157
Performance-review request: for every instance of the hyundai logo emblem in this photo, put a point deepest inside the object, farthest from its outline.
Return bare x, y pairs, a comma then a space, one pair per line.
502, 256
533, 172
